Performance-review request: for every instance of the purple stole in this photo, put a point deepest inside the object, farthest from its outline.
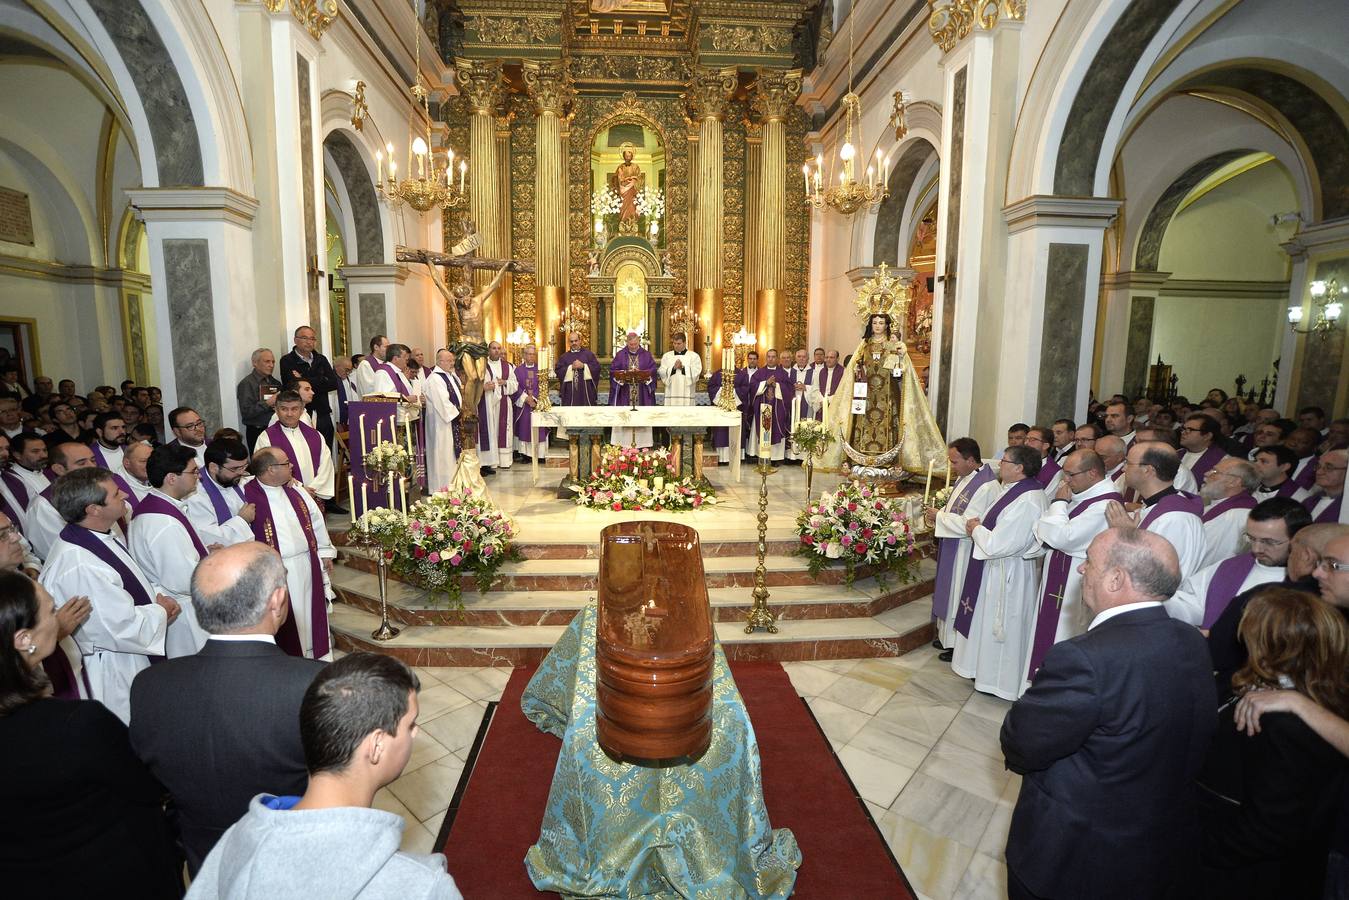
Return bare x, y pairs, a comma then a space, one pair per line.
156, 505
312, 438
62, 676
1210, 458
449, 391
1237, 501
1288, 488
1330, 514
397, 378
949, 548
1058, 568
974, 575
264, 530
85, 539
828, 384
782, 406
98, 455
502, 430
17, 488
1226, 583
222, 509
1177, 502
1308, 477
1048, 469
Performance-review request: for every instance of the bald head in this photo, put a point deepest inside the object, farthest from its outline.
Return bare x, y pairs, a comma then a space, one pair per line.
1128, 565
135, 458
268, 466
240, 589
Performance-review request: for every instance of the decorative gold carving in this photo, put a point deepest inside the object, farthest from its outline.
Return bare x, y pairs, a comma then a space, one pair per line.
314, 15
524, 162
611, 67
708, 91
516, 29
949, 21
775, 93
733, 225
797, 267
748, 38
548, 85
480, 81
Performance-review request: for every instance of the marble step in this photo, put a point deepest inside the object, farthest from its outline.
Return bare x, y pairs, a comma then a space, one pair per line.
813, 600
891, 634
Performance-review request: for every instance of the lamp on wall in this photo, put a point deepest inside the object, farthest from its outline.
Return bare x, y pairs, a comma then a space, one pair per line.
1328, 297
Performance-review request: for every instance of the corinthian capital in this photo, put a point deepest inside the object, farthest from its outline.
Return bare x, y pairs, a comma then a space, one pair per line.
775, 92
549, 86
709, 91
480, 81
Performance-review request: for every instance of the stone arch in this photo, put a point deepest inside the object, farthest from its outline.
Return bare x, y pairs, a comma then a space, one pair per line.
1159, 217
354, 173
889, 233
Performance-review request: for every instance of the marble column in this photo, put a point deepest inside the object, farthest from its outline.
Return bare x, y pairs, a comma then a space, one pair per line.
550, 90
708, 94
506, 292
481, 83
1124, 331
372, 307
774, 94
1313, 370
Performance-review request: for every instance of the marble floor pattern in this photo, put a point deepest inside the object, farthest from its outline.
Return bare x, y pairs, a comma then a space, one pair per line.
920, 746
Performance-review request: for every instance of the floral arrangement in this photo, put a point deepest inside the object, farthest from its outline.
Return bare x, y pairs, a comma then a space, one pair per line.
629, 478
388, 457
811, 438
938, 499
605, 202
444, 536
650, 203
855, 525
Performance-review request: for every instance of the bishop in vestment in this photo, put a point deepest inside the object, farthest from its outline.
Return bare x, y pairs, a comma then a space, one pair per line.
632, 356
772, 386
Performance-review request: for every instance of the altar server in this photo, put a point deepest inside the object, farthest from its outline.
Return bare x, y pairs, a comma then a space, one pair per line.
217, 508
578, 373
288, 521
444, 395
632, 356
495, 439
1150, 473
165, 544
974, 491
679, 370
42, 523
1226, 493
1325, 501
771, 386
528, 439
997, 598
1075, 515
800, 376
311, 461
129, 619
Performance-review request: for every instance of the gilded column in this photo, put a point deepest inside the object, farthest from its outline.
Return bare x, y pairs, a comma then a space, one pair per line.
708, 94
753, 278
774, 94
505, 293
550, 91
481, 83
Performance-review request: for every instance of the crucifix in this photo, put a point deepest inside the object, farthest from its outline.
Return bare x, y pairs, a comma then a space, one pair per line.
314, 273
1058, 598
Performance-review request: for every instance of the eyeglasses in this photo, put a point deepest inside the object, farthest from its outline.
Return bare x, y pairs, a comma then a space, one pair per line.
285, 463
1333, 565
1322, 467
1191, 430
1265, 542
197, 424
1070, 474
1223, 474
9, 533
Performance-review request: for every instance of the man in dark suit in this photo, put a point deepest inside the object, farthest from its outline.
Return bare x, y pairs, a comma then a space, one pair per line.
305, 363
1110, 737
222, 726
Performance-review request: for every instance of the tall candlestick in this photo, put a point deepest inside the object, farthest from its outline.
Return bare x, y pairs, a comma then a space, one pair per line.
766, 434
351, 497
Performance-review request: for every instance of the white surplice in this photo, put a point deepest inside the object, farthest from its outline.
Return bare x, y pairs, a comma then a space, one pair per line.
1186, 534
167, 557
363, 379
952, 525
679, 386
496, 452
1191, 599
294, 550
1224, 536
42, 525
1072, 536
998, 648
201, 513
442, 411
138, 487
801, 407
118, 638
317, 478
383, 383
35, 482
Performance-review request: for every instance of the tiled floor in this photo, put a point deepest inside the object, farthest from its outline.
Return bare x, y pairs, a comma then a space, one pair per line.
920, 746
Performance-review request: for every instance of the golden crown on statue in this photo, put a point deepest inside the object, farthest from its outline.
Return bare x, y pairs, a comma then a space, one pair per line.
882, 294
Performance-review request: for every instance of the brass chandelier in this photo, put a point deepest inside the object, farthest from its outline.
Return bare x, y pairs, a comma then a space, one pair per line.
427, 184
847, 195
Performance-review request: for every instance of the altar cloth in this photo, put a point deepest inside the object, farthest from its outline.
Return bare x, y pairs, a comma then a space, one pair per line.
617, 830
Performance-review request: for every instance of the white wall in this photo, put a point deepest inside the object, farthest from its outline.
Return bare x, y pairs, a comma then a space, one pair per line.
1226, 234
1208, 341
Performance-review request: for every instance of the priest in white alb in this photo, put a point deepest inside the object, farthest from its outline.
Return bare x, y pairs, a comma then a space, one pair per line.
287, 520
1226, 493
1150, 473
396, 377
217, 508
679, 370
974, 491
43, 523
363, 376
311, 461
129, 618
997, 600
443, 396
495, 437
165, 543
799, 383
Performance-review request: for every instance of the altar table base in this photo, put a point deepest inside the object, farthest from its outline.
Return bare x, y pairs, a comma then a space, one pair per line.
617, 830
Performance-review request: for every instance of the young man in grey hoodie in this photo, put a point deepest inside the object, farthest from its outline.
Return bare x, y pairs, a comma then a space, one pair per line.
357, 723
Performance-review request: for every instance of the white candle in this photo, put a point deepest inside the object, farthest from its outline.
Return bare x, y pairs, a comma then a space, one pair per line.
408, 426
391, 494
766, 433
379, 432
379, 164
463, 169
805, 176
360, 423
927, 488
403, 493
351, 497
660, 483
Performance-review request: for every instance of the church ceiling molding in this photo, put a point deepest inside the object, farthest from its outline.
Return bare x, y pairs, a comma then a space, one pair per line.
351, 167
1159, 217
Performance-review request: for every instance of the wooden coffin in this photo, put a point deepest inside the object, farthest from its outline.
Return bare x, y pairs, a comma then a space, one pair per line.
654, 644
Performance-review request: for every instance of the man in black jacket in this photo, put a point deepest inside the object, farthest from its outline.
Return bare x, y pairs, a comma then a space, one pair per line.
222, 726
304, 362
1109, 738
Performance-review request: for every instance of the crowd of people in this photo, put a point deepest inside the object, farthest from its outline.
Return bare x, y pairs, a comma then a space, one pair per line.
1163, 592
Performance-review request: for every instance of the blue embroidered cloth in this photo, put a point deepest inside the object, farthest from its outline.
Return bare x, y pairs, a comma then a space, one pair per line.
618, 830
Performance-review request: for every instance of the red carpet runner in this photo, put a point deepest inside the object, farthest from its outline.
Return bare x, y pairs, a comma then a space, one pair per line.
805, 789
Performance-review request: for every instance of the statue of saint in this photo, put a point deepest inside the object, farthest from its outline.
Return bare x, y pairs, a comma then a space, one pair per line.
627, 180
893, 422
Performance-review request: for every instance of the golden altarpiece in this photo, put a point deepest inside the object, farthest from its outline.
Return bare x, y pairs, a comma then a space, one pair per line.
646, 155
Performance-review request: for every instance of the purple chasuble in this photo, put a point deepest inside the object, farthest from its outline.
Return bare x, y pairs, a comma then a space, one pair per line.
1210, 458
782, 403
1330, 514
1236, 501
949, 548
1059, 567
527, 381
641, 360
156, 505
1177, 502
1225, 586
264, 530
575, 388
86, 540
312, 438
974, 575
217, 498
1048, 469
